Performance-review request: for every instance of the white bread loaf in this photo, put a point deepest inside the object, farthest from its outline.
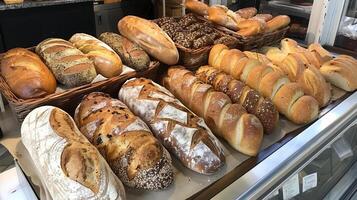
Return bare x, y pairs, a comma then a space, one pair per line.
150, 37
183, 133
105, 60
69, 166
241, 130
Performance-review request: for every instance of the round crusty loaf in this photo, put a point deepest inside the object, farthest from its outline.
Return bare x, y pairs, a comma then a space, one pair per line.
150, 37
38, 81
105, 60
128, 145
130, 53
69, 65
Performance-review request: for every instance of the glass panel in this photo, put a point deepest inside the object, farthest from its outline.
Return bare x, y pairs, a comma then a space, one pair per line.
298, 10
346, 36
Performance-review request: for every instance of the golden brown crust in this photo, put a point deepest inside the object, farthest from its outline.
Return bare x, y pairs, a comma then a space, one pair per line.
286, 97
215, 52
39, 80
277, 23
150, 37
304, 110
197, 7
247, 12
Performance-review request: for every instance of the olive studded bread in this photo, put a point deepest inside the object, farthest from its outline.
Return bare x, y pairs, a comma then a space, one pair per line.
68, 165
125, 141
69, 65
183, 133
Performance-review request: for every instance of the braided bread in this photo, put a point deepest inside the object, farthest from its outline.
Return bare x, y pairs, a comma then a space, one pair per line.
105, 60
134, 154
240, 93
269, 84
183, 133
241, 130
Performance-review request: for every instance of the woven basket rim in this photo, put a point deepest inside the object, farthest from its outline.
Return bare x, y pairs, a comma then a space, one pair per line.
16, 101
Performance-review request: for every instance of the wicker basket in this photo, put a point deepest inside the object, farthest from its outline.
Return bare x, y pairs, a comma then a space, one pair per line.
256, 41
70, 98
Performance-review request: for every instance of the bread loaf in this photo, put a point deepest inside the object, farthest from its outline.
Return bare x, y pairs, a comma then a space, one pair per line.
251, 27
183, 133
221, 15
27, 76
69, 65
130, 53
125, 141
247, 12
197, 7
320, 53
277, 23
341, 72
241, 94
264, 17
270, 83
69, 166
105, 60
241, 130
150, 37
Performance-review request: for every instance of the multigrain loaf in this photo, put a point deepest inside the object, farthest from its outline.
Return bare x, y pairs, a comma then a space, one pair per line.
69, 166
130, 53
125, 141
183, 133
69, 65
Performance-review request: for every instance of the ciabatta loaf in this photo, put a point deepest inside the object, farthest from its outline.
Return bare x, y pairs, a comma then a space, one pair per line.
69, 65
183, 133
26, 74
150, 37
69, 166
241, 130
105, 60
125, 141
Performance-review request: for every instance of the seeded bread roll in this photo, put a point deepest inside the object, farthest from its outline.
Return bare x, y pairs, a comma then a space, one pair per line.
241, 94
125, 141
241, 130
130, 53
183, 133
271, 83
69, 166
69, 65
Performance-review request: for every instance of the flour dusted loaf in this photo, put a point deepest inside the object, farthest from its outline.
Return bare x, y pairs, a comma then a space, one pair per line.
130, 53
38, 81
105, 60
69, 65
183, 133
125, 141
68, 165
241, 130
150, 37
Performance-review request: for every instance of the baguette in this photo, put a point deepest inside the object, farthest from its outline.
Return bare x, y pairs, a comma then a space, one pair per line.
183, 133
241, 94
150, 37
277, 23
69, 166
221, 16
270, 83
241, 130
128, 145
251, 27
263, 17
247, 12
197, 7
105, 60
38, 81
69, 65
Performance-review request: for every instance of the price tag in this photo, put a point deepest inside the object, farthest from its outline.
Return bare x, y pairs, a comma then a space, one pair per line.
291, 187
309, 182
